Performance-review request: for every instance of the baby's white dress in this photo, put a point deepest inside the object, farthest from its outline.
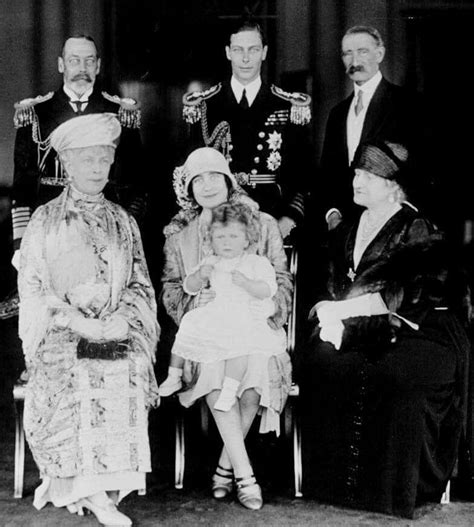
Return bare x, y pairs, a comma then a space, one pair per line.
234, 323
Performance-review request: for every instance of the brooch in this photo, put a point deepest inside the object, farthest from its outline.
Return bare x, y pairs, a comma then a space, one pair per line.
351, 274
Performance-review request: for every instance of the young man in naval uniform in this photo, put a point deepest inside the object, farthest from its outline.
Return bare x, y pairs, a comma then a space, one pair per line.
38, 176
260, 128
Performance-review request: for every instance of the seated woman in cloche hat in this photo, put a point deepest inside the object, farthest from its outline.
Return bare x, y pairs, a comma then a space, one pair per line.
202, 185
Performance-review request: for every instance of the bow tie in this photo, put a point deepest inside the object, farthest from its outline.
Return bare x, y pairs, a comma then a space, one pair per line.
79, 105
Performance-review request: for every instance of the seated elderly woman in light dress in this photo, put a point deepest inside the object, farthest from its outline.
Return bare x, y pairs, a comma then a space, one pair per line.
89, 331
203, 184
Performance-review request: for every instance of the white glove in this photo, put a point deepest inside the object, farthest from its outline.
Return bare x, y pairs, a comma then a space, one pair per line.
354, 307
360, 306
332, 333
326, 311
16, 259
314, 311
89, 328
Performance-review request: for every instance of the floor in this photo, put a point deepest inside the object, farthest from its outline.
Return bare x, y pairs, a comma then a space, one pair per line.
166, 506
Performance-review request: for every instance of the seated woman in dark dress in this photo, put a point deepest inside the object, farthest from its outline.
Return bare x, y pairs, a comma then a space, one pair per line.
383, 378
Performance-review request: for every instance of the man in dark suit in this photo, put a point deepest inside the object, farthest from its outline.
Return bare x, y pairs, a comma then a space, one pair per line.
377, 109
260, 128
38, 176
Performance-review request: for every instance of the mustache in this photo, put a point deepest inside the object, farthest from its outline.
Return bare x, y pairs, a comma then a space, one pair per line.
354, 69
82, 77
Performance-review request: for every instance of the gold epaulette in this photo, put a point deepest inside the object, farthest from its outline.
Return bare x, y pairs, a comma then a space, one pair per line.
129, 114
25, 110
300, 104
192, 103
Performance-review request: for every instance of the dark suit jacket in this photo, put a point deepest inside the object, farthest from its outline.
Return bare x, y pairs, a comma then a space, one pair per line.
127, 179
394, 113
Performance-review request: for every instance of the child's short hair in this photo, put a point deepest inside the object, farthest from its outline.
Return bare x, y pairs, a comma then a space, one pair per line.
239, 213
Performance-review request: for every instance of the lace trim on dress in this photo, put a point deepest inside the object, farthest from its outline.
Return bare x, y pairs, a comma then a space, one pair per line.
77, 195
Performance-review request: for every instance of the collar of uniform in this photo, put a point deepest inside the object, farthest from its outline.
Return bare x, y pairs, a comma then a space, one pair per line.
368, 87
251, 89
73, 97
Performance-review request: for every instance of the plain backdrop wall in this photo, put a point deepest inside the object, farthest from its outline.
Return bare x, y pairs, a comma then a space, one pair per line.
31, 34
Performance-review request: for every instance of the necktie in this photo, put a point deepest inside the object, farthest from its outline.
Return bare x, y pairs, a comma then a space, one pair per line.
359, 104
244, 103
77, 105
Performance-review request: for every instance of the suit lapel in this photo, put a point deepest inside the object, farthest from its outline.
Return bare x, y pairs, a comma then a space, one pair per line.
61, 111
377, 111
262, 98
223, 107
95, 103
343, 123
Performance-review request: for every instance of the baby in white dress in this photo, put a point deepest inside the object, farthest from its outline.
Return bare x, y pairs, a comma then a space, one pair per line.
233, 325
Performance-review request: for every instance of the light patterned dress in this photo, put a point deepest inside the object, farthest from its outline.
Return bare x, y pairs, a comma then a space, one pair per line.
86, 417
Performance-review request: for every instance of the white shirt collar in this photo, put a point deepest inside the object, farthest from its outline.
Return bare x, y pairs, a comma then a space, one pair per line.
73, 97
368, 87
355, 122
251, 89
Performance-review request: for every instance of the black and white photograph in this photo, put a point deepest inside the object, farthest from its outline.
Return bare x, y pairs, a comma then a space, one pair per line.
236, 263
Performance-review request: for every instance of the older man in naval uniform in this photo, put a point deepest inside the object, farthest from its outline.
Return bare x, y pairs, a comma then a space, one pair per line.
38, 176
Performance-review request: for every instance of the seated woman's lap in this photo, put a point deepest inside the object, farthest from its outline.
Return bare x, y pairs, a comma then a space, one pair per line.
381, 419
410, 363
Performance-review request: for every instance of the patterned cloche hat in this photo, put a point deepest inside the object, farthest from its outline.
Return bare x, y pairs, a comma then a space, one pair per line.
205, 159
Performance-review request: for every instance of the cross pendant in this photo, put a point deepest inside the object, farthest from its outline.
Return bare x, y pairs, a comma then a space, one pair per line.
351, 274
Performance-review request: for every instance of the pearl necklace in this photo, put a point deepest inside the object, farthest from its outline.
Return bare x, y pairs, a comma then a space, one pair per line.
370, 226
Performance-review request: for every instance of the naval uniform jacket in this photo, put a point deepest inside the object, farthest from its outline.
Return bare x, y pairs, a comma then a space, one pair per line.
393, 114
268, 142
33, 186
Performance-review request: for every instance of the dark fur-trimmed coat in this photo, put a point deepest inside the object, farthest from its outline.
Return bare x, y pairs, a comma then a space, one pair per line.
383, 417
410, 264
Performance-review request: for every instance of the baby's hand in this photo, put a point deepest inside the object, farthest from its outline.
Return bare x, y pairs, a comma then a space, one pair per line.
238, 278
205, 271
